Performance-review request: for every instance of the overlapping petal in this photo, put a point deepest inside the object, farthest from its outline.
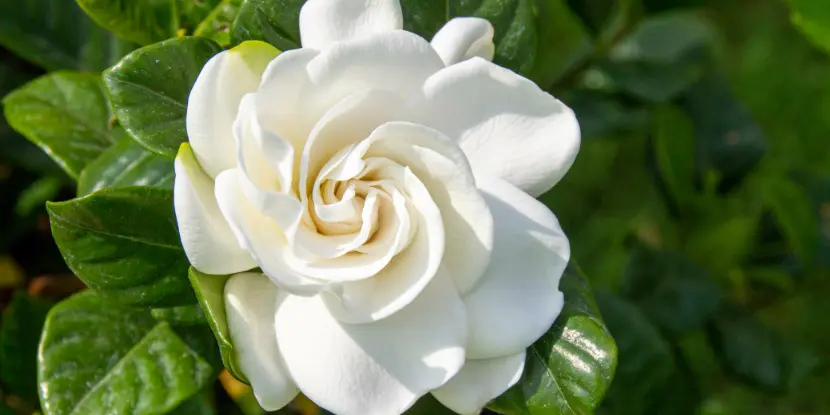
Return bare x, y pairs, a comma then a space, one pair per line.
323, 22
463, 38
479, 382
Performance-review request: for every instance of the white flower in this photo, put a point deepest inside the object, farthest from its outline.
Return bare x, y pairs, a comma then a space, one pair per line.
384, 186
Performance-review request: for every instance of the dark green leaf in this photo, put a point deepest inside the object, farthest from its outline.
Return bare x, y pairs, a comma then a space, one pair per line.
570, 368
428, 405
183, 315
124, 243
425, 17
661, 58
56, 34
563, 42
673, 143
210, 290
273, 21
100, 358
645, 359
64, 113
812, 17
193, 12
217, 24
600, 114
19, 337
673, 292
198, 405
793, 212
756, 354
126, 164
728, 139
139, 21
149, 90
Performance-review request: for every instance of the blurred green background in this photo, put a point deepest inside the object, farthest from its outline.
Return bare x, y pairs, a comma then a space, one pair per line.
699, 205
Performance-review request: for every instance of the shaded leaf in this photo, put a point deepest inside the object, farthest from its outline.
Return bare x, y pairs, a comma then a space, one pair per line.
124, 243
126, 164
66, 114
673, 144
216, 26
273, 21
793, 212
56, 34
149, 90
19, 337
98, 357
563, 42
673, 292
754, 353
194, 12
569, 369
139, 21
210, 290
428, 405
812, 17
646, 361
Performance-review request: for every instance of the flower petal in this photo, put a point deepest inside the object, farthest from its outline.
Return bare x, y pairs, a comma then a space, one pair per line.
506, 125
214, 100
443, 169
207, 239
479, 382
518, 297
463, 38
323, 22
373, 369
250, 303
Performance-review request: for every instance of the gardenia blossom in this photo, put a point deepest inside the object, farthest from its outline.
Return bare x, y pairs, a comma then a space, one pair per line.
373, 193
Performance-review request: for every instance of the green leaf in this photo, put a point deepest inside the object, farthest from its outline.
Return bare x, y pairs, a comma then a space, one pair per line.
193, 12
599, 114
56, 34
673, 143
216, 25
139, 21
645, 358
42, 190
514, 23
793, 212
200, 404
66, 114
563, 42
673, 292
570, 368
101, 358
183, 315
273, 21
812, 17
754, 353
210, 290
124, 243
662, 57
729, 141
428, 405
149, 90
126, 164
19, 337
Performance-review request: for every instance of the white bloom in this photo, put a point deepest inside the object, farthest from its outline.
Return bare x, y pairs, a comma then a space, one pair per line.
384, 187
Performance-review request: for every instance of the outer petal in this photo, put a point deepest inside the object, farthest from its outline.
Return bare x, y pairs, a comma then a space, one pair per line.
380, 368
250, 303
206, 237
518, 297
479, 382
506, 125
214, 100
463, 38
326, 21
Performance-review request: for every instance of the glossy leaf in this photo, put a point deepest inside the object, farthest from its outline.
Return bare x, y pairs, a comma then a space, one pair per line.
210, 290
100, 358
216, 26
756, 354
19, 337
66, 114
124, 243
570, 368
139, 21
729, 141
812, 17
56, 34
673, 292
272, 21
149, 90
126, 164
645, 359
